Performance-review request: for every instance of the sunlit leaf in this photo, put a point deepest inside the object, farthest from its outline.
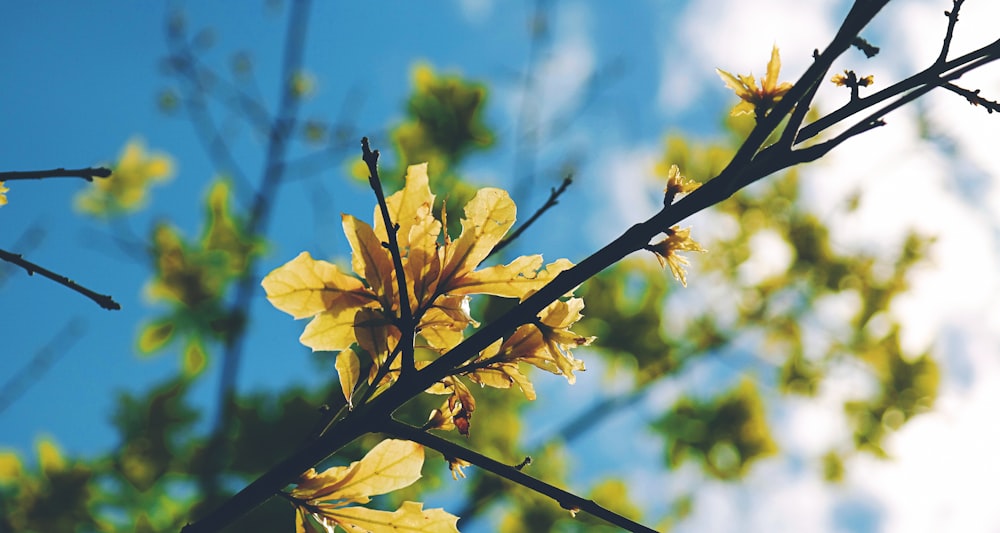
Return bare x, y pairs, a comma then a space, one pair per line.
155, 335
304, 287
488, 217
369, 259
410, 516
195, 359
390, 465
349, 370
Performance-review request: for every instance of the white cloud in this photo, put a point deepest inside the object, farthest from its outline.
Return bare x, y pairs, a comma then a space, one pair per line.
622, 191
564, 71
944, 473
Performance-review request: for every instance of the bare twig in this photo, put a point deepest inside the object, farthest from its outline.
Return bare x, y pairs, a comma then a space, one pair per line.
83, 173
406, 325
973, 97
950, 32
566, 500
103, 300
550, 203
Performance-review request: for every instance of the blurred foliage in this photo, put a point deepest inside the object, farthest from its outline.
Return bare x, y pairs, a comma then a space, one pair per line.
149, 481
193, 279
127, 188
726, 434
443, 125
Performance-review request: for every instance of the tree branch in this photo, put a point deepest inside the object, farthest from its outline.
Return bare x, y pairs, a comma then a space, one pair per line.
103, 300
83, 173
550, 203
566, 500
406, 325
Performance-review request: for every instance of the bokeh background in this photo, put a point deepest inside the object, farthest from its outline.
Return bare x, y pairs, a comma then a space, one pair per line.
595, 89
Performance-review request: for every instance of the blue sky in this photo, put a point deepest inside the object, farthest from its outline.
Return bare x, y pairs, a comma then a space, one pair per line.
81, 79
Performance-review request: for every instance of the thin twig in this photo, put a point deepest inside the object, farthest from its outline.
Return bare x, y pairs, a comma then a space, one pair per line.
103, 300
989, 52
550, 203
949, 33
406, 325
83, 173
566, 500
973, 97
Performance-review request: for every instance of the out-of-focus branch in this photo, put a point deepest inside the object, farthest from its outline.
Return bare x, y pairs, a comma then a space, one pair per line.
43, 359
103, 300
279, 136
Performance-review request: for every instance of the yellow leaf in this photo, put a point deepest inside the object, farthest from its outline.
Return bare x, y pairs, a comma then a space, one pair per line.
304, 287
349, 369
369, 259
502, 376
443, 324
411, 516
488, 216
376, 334
10, 467
3, 194
195, 358
423, 263
408, 207
511, 280
127, 187
390, 465
330, 332
304, 525
548, 344
155, 336
49, 456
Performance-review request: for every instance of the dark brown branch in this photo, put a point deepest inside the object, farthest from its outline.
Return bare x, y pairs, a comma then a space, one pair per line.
973, 97
866, 47
407, 325
83, 173
550, 203
103, 300
935, 72
950, 32
566, 500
